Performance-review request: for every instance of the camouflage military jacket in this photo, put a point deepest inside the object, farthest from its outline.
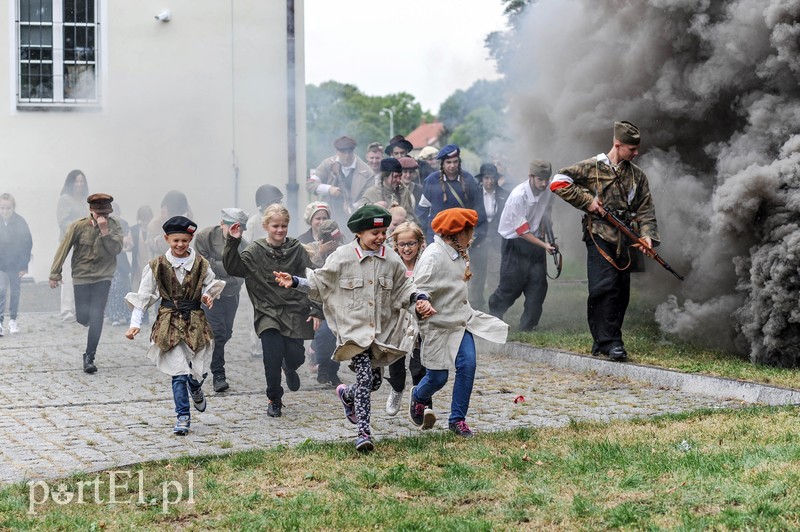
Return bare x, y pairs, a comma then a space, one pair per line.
623, 188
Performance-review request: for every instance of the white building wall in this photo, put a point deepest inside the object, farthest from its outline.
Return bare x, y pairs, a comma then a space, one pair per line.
185, 103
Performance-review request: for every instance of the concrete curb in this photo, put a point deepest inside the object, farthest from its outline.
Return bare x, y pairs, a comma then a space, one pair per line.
719, 387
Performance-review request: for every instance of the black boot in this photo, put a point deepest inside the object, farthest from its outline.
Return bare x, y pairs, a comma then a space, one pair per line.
88, 363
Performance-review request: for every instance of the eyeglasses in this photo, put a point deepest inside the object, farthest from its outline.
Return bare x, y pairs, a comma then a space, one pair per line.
407, 244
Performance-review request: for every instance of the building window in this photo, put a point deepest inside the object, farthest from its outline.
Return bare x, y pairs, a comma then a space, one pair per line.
57, 41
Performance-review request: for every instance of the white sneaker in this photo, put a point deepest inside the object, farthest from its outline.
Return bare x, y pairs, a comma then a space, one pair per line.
12, 327
393, 402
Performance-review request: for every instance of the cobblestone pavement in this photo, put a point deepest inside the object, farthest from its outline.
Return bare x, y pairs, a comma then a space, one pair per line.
56, 420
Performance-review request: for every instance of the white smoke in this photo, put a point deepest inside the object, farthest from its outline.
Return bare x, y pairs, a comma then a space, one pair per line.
715, 89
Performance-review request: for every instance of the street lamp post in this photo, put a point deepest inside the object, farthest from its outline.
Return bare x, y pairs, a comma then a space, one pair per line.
390, 112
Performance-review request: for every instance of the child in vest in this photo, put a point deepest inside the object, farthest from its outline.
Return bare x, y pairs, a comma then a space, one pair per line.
443, 272
181, 342
365, 295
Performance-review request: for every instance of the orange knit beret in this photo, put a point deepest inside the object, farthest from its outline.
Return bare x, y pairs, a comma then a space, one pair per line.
453, 221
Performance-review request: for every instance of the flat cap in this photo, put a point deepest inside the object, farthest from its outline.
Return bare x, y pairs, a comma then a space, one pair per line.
329, 230
100, 203
428, 152
344, 143
540, 168
408, 163
369, 217
453, 221
451, 150
232, 215
627, 133
390, 164
179, 224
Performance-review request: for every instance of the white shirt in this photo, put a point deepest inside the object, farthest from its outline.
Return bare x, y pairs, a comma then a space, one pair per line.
490, 203
524, 211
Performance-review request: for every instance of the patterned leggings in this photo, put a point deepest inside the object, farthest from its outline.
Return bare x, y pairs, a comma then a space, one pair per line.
368, 380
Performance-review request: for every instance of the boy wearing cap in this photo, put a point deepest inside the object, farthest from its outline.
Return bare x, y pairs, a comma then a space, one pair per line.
342, 179
443, 272
523, 267
610, 182
450, 188
95, 242
365, 295
390, 191
210, 244
181, 341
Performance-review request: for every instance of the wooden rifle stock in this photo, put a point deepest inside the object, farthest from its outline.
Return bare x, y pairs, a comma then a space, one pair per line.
611, 218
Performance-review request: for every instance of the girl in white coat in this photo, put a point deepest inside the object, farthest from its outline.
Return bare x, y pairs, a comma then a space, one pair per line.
443, 272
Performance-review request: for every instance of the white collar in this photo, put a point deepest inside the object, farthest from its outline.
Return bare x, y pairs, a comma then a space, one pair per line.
603, 158
348, 167
362, 253
181, 262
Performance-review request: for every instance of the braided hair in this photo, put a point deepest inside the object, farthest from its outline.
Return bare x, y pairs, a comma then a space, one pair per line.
462, 252
442, 177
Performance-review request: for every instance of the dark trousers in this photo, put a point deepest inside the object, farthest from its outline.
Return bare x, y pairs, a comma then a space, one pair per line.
609, 294
279, 351
220, 317
324, 344
90, 305
397, 370
483, 259
523, 270
13, 300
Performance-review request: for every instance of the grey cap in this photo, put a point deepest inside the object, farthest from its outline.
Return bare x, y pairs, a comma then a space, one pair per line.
233, 215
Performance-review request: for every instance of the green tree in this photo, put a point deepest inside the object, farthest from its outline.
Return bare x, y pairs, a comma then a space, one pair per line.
334, 109
478, 128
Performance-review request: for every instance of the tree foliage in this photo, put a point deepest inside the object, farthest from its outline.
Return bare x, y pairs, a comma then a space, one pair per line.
473, 117
335, 109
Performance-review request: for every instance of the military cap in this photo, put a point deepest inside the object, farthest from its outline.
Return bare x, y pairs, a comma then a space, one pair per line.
329, 230
100, 203
451, 150
400, 142
428, 152
453, 221
232, 215
344, 143
369, 217
540, 168
267, 195
408, 163
390, 164
179, 224
313, 208
627, 133
489, 170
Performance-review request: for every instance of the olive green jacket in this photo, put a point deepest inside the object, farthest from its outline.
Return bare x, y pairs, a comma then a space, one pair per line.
94, 256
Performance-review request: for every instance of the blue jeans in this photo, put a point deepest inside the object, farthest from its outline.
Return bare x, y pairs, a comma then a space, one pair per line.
435, 379
180, 393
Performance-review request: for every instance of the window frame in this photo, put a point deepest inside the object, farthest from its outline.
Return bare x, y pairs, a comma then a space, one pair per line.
59, 69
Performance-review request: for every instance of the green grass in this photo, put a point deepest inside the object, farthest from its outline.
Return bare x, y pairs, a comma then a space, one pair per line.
738, 469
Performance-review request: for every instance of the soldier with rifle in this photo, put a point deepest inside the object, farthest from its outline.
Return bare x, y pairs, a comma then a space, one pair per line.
611, 183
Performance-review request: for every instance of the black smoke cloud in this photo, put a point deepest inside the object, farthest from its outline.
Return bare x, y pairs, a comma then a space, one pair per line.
715, 88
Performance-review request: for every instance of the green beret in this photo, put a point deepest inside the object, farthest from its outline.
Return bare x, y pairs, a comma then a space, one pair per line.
627, 133
540, 169
369, 217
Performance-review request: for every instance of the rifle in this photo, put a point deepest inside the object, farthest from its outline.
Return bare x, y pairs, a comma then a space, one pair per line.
611, 218
550, 238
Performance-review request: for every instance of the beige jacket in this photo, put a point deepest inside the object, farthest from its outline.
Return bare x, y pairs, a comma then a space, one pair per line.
440, 273
365, 300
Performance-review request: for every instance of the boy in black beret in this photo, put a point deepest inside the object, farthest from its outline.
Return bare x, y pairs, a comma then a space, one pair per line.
181, 342
95, 242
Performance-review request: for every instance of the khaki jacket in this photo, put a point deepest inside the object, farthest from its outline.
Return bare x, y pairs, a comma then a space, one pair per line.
329, 173
440, 273
94, 256
365, 299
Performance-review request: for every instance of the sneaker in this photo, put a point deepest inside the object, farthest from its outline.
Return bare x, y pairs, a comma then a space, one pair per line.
181, 426
349, 408
220, 384
393, 402
274, 409
12, 327
421, 414
461, 428
199, 399
1, 329
364, 443
292, 379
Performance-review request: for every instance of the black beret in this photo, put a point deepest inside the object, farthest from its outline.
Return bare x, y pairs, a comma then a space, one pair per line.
390, 164
179, 224
369, 217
